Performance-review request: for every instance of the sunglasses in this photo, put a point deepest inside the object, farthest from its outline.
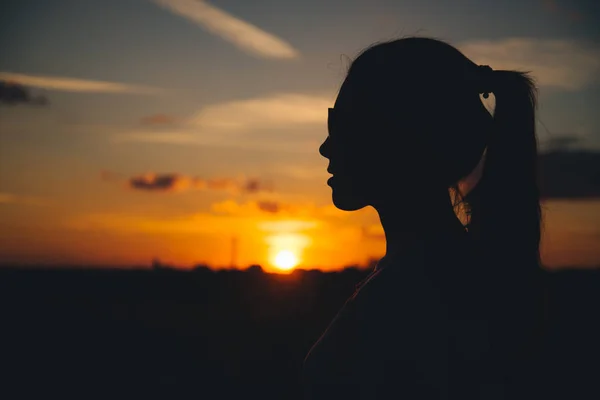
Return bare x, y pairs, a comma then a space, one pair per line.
345, 122
341, 121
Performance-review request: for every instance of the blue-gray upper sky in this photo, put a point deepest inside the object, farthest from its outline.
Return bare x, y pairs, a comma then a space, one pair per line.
145, 42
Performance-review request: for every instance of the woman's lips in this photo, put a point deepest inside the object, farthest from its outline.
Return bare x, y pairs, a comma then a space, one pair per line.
333, 179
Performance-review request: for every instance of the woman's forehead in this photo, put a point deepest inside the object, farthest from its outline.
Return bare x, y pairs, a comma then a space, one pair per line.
350, 97
360, 96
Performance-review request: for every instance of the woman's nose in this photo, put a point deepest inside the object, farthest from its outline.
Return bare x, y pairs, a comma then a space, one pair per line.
325, 148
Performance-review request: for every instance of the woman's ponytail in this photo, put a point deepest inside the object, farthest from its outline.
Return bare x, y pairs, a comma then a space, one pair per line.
505, 217
505, 206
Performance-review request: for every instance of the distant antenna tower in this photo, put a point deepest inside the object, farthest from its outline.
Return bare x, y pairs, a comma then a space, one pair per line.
234, 245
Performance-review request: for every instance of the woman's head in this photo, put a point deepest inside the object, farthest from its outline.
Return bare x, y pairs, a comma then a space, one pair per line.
408, 122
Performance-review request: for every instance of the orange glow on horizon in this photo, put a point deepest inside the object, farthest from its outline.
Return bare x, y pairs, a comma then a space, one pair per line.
317, 237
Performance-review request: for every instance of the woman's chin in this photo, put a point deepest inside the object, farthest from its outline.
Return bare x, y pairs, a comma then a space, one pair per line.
346, 201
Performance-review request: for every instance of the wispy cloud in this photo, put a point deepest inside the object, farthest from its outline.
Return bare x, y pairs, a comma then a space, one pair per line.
242, 34
269, 112
75, 85
260, 123
564, 64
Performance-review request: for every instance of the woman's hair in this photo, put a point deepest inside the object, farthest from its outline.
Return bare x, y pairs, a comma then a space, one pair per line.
432, 92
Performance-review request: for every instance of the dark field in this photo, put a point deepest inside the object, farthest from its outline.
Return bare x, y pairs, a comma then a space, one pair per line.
213, 335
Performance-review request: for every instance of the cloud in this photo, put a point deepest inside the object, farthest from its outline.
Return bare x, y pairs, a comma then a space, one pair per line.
158, 119
565, 173
15, 93
245, 36
373, 232
274, 207
268, 206
559, 63
254, 185
570, 175
259, 207
268, 123
75, 85
172, 182
563, 142
10, 198
248, 209
287, 226
274, 111
161, 183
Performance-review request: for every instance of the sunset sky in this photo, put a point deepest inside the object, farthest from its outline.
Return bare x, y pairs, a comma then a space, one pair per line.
178, 129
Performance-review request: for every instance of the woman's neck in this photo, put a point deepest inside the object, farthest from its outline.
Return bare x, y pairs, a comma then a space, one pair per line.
412, 228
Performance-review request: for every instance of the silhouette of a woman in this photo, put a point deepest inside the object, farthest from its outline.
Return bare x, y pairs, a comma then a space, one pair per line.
451, 311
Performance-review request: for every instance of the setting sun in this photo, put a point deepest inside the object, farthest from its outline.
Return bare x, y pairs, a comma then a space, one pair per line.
285, 260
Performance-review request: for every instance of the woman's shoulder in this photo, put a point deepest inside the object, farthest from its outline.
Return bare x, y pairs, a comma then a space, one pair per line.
394, 297
402, 327
394, 280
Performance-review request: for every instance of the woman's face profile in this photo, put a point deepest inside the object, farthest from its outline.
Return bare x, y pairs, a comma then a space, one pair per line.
352, 150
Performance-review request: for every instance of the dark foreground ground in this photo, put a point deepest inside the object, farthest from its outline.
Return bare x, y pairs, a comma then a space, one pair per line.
219, 335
